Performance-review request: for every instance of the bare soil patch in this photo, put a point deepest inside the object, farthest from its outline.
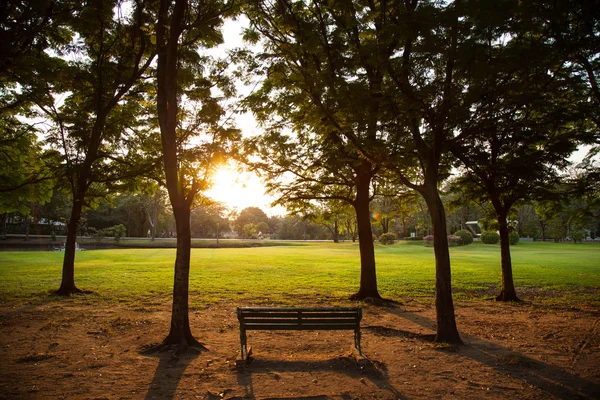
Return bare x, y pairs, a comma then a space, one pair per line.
69, 350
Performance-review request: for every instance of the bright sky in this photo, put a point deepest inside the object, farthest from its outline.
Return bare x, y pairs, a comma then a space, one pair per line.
241, 190
234, 189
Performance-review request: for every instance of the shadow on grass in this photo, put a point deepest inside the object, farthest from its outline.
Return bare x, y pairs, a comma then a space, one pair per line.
374, 371
555, 381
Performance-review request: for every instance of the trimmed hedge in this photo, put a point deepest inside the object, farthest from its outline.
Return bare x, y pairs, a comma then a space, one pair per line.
465, 237
513, 238
489, 237
387, 238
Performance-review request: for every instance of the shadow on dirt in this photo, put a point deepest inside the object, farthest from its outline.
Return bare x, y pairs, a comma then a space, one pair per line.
551, 379
168, 373
360, 369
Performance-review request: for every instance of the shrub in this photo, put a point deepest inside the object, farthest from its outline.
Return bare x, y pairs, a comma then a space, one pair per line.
118, 231
387, 238
489, 237
414, 238
465, 236
578, 236
513, 238
454, 241
428, 240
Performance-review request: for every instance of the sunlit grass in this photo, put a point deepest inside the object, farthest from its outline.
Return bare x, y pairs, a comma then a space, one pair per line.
143, 277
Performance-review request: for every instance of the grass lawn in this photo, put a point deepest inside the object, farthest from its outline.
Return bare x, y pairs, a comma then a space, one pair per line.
285, 274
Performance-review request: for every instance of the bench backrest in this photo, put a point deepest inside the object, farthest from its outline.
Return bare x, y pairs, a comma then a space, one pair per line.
257, 318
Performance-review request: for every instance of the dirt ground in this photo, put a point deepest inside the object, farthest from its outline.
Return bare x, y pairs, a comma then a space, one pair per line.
72, 350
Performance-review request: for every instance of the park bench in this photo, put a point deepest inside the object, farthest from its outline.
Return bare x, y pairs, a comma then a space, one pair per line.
298, 319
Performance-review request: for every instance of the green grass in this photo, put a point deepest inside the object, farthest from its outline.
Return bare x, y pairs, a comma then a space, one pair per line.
318, 271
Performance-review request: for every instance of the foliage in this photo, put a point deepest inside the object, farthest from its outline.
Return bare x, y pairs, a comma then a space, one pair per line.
387, 238
117, 232
250, 216
556, 228
465, 236
513, 238
27, 172
490, 237
454, 241
415, 238
428, 240
578, 236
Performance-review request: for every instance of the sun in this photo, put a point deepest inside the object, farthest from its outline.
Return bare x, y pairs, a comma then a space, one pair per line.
240, 190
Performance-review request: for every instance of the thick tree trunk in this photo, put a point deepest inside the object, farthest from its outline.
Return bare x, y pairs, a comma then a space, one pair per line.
4, 223
508, 292
368, 277
167, 108
67, 286
180, 333
27, 226
446, 321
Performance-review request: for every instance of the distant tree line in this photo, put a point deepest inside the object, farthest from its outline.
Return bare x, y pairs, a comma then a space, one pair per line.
569, 217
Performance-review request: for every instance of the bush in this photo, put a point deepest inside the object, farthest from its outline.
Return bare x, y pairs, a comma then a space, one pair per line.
489, 237
387, 238
465, 236
118, 231
578, 236
454, 241
513, 238
428, 240
415, 238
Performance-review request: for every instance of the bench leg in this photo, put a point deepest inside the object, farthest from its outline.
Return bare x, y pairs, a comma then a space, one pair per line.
357, 341
243, 346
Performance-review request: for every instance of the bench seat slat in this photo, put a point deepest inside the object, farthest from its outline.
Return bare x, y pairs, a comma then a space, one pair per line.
256, 322
303, 320
296, 327
298, 314
296, 309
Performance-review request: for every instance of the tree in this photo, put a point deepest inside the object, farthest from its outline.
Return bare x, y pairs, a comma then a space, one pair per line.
182, 27
26, 173
332, 215
94, 127
311, 84
377, 83
528, 221
208, 220
249, 215
153, 201
27, 30
526, 122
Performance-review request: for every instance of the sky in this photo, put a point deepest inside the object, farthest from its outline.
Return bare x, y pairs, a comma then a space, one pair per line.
240, 190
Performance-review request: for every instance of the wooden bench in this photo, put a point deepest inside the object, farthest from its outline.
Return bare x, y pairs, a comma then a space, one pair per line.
298, 319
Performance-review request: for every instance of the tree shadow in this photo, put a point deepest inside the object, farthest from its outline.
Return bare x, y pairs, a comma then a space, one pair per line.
554, 380
169, 372
374, 371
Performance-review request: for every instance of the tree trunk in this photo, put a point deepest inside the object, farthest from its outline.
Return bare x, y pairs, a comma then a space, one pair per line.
4, 227
543, 230
167, 108
180, 333
508, 292
368, 277
446, 322
27, 226
67, 286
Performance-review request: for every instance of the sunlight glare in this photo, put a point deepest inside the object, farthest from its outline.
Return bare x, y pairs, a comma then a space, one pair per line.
241, 190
